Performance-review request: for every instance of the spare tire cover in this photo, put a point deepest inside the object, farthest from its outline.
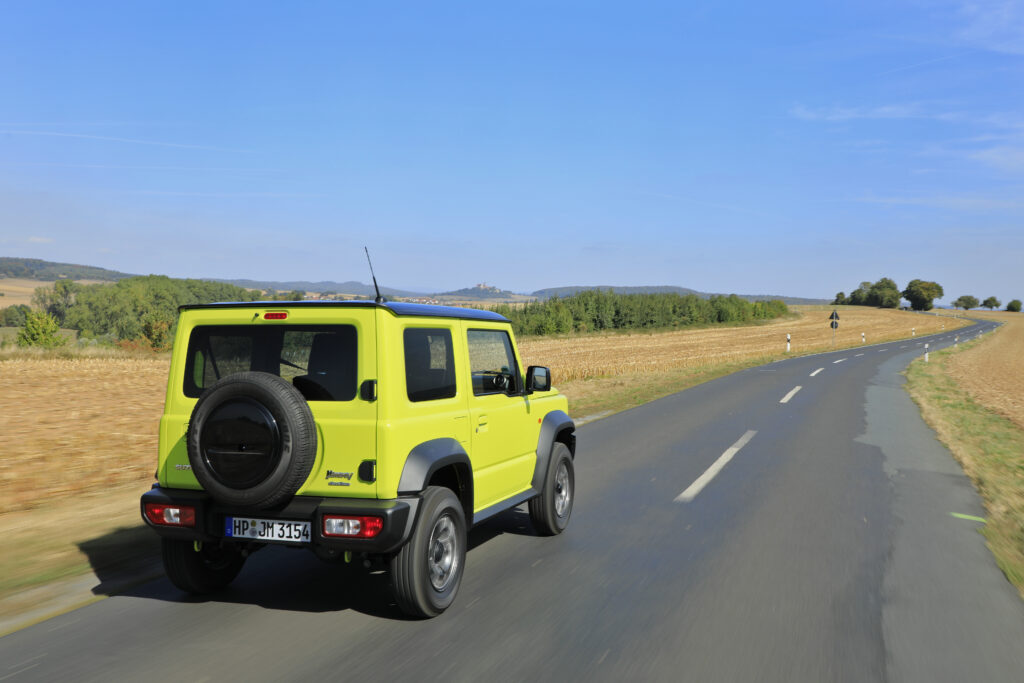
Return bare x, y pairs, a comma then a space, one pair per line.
252, 440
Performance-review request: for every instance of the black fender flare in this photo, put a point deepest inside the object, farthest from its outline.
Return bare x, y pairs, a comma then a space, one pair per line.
427, 458
555, 424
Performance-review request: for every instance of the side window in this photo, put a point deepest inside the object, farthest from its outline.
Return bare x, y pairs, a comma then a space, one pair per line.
429, 364
491, 362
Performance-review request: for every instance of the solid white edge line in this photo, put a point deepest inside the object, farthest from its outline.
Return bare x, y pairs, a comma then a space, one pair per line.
838, 361
703, 480
785, 399
816, 372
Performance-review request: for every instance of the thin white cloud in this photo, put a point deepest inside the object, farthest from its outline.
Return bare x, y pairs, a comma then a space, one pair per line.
961, 203
119, 167
926, 62
41, 133
993, 25
40, 240
838, 113
227, 195
1004, 158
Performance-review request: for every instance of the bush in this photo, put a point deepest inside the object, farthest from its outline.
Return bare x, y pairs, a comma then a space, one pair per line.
42, 331
1013, 306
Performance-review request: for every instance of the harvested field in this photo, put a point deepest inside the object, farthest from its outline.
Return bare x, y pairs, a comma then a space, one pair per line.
613, 355
76, 425
992, 373
18, 290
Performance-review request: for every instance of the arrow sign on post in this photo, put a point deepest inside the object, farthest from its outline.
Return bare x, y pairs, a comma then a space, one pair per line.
834, 324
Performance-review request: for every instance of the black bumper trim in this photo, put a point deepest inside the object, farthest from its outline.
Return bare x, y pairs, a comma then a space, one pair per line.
399, 516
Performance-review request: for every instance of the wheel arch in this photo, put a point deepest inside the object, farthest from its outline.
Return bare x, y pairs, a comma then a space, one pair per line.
557, 427
439, 462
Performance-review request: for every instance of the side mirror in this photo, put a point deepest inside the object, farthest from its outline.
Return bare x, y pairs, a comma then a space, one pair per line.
538, 378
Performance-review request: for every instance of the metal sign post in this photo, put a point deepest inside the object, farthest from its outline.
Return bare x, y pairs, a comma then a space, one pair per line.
834, 324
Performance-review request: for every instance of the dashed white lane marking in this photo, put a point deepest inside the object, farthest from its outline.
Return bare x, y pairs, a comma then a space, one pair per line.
716, 467
21, 671
791, 394
858, 355
816, 372
838, 361
882, 350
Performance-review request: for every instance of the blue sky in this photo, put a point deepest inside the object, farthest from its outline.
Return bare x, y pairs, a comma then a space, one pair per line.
737, 147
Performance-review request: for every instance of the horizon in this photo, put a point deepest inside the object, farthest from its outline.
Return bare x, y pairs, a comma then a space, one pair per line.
793, 151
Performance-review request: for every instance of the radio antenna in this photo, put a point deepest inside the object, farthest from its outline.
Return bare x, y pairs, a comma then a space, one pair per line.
379, 298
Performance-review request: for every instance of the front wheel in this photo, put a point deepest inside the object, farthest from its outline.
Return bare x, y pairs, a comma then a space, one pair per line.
200, 568
427, 571
550, 511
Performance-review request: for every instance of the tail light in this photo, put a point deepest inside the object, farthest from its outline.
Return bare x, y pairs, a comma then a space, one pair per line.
170, 515
352, 526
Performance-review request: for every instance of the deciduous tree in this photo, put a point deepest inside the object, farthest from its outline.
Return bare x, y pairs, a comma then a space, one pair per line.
41, 330
991, 303
966, 301
921, 294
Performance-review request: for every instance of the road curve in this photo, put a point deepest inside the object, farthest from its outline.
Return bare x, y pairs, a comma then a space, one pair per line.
792, 522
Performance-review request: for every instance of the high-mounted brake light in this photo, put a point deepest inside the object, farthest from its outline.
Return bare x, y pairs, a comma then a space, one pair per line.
352, 527
275, 315
171, 515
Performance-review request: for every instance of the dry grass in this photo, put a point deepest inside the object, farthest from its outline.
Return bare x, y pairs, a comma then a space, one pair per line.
964, 397
992, 373
76, 425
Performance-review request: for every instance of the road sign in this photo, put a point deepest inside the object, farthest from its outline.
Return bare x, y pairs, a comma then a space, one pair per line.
834, 316
835, 324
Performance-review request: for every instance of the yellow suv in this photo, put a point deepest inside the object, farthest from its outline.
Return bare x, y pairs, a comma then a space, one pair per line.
359, 430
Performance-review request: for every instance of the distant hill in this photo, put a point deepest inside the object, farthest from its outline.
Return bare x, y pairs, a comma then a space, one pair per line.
37, 269
478, 292
661, 289
350, 287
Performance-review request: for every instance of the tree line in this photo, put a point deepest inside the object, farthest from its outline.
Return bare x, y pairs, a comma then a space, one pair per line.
137, 309
921, 294
597, 310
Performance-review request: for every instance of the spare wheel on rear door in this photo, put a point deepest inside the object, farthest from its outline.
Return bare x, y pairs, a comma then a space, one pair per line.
252, 440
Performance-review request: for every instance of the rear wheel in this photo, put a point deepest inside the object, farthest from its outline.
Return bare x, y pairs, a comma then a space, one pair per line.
200, 568
427, 571
550, 511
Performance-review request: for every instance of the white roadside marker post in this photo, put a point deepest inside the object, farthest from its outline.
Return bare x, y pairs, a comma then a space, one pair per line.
956, 341
925, 353
913, 331
863, 339
788, 339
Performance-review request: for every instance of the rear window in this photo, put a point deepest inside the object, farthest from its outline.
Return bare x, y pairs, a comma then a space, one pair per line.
319, 360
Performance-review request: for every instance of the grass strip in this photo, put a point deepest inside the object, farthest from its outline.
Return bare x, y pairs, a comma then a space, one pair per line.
989, 447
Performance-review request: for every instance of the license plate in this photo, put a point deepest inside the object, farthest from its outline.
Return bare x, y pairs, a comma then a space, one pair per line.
275, 530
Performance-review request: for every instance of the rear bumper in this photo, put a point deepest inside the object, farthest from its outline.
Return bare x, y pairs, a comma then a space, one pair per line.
399, 514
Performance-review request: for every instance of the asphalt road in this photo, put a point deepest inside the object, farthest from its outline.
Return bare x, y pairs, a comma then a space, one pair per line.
824, 549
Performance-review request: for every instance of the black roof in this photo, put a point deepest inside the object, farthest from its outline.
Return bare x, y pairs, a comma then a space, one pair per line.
396, 307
